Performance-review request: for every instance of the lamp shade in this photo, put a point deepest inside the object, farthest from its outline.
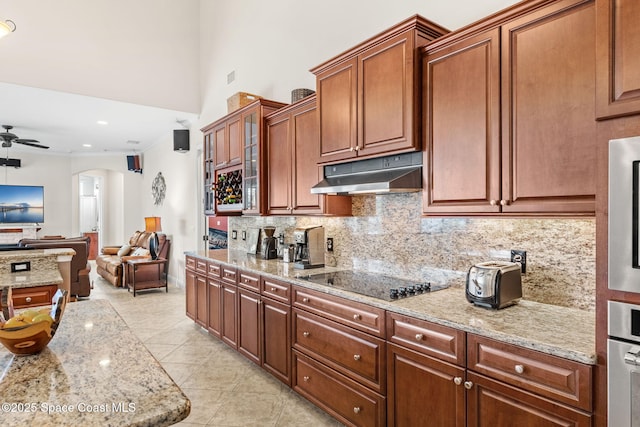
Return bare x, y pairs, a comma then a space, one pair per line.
152, 223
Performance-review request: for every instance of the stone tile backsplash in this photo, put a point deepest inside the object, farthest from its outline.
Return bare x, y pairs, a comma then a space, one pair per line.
388, 235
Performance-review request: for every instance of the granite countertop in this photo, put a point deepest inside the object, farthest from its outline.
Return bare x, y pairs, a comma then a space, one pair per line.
94, 372
29, 279
556, 330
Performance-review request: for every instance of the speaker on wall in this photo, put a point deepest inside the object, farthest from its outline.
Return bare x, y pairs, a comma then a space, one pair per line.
181, 140
133, 163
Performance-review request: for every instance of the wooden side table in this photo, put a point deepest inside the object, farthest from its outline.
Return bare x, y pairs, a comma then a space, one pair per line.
159, 282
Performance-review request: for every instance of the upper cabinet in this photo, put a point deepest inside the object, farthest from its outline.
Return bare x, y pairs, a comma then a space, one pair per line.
292, 157
618, 54
509, 113
368, 97
234, 172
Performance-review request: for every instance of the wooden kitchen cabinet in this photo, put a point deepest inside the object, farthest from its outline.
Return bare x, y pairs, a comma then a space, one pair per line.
264, 324
292, 155
196, 290
233, 147
33, 296
618, 58
509, 125
229, 314
493, 403
422, 390
368, 96
429, 360
214, 299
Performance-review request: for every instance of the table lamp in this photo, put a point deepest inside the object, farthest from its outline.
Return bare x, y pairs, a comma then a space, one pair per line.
152, 225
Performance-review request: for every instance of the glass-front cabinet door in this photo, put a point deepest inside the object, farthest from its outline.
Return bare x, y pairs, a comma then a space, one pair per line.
251, 163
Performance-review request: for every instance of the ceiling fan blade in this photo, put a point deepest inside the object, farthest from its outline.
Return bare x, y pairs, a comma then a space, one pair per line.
30, 142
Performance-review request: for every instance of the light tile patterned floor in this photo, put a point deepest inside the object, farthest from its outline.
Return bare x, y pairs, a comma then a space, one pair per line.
225, 389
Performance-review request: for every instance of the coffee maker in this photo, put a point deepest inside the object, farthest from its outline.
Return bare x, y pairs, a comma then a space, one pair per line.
309, 251
269, 243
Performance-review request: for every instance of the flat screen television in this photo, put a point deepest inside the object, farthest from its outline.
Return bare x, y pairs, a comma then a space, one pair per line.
21, 204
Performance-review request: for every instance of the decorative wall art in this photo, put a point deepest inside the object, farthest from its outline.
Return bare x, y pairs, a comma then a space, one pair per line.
158, 189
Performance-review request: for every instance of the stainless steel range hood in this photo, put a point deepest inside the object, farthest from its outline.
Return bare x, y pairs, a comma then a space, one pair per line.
392, 174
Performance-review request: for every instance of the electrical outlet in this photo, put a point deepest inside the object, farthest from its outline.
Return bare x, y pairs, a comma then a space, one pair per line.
329, 244
244, 235
234, 234
521, 258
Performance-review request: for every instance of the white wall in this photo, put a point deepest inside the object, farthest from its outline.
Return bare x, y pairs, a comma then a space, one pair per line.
142, 51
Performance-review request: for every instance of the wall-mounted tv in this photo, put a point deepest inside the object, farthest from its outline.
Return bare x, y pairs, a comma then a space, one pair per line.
21, 204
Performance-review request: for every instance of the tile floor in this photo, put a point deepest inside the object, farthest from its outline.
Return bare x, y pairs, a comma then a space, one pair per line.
225, 389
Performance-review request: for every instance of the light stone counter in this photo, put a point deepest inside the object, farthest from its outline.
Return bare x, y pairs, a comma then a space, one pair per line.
44, 264
94, 372
556, 330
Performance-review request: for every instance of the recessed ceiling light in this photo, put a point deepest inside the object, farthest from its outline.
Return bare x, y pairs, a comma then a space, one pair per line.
86, 145
102, 122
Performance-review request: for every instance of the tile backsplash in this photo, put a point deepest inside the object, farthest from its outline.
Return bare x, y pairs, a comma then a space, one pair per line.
388, 235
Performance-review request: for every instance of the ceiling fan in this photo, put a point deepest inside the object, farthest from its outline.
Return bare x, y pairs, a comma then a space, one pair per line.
9, 138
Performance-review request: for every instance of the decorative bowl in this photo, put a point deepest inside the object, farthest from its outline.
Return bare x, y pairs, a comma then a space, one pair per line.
34, 337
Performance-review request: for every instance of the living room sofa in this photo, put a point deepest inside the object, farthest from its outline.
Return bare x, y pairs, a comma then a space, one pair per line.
80, 267
110, 262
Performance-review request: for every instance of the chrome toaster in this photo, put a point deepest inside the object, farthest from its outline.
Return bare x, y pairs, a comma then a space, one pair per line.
494, 284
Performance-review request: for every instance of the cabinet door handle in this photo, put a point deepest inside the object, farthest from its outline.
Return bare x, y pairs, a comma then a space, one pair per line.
457, 380
306, 334
519, 369
468, 385
504, 202
493, 202
419, 337
28, 299
274, 290
357, 317
356, 357
351, 148
305, 379
357, 148
305, 299
356, 409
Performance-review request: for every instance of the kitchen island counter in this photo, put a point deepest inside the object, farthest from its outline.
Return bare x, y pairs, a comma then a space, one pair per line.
556, 330
94, 372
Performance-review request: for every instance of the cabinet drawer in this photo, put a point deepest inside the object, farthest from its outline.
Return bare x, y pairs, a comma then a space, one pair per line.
343, 398
213, 270
249, 281
275, 289
357, 315
228, 274
560, 379
190, 263
353, 353
33, 297
427, 338
201, 266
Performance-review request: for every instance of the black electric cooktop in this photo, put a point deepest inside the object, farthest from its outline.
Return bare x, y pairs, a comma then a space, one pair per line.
373, 285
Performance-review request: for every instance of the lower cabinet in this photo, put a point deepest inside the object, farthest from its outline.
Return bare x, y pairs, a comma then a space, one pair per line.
32, 297
370, 367
491, 402
345, 399
422, 390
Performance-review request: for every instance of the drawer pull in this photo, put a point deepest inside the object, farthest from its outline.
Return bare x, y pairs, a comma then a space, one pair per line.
356, 357
356, 409
357, 317
305, 379
274, 290
457, 380
468, 385
305, 299
28, 299
519, 369
306, 334
419, 337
